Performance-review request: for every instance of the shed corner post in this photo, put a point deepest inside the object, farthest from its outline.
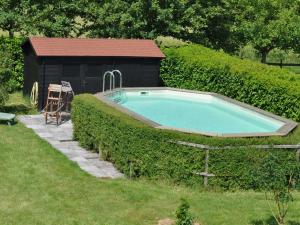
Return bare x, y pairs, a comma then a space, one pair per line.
43, 82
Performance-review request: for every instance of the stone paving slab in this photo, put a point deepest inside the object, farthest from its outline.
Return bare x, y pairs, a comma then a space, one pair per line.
61, 138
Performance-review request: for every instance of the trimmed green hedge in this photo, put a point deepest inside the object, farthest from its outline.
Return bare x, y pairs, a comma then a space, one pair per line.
11, 63
140, 150
198, 68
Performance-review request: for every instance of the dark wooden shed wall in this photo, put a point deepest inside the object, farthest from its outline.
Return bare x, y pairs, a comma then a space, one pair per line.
85, 73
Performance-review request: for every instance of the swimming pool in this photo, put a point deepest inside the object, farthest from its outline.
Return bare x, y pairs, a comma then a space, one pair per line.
197, 112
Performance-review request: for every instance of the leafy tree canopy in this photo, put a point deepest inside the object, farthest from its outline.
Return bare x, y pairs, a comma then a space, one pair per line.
12, 15
219, 24
197, 21
268, 24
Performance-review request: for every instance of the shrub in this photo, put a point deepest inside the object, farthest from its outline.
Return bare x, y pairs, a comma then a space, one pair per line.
198, 68
184, 217
278, 182
4, 76
11, 62
3, 95
138, 150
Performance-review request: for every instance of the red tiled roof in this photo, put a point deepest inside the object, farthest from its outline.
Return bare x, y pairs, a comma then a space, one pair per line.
95, 47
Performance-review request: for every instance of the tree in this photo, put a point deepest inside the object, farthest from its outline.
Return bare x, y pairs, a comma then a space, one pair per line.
12, 16
54, 18
278, 177
211, 22
268, 24
132, 19
103, 19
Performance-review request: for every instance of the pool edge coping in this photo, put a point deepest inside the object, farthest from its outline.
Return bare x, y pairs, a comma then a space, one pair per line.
284, 130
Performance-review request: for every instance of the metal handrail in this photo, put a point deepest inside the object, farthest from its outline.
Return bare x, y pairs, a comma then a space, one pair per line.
120, 76
112, 83
111, 80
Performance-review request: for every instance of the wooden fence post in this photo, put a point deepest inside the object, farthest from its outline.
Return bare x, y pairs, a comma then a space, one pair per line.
206, 166
205, 174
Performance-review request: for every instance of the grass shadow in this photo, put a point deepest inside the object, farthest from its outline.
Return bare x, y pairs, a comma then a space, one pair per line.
18, 104
17, 109
271, 221
268, 221
293, 223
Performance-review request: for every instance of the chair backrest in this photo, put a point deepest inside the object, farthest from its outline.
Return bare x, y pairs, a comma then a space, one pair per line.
66, 87
55, 87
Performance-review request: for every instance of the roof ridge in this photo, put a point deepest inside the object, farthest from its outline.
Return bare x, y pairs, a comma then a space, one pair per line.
103, 47
82, 38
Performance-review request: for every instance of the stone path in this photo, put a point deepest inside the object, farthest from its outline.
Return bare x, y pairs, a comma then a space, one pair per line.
60, 137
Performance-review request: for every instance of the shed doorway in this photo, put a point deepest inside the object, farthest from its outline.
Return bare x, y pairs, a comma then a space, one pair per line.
84, 78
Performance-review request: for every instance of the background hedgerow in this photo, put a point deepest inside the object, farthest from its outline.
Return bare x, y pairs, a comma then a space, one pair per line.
11, 63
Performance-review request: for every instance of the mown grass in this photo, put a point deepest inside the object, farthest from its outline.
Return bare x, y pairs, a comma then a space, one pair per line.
18, 104
295, 69
38, 185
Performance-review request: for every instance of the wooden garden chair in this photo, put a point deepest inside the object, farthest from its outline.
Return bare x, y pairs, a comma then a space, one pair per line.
54, 103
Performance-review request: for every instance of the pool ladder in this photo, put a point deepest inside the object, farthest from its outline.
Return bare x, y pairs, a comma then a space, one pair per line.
112, 81
119, 95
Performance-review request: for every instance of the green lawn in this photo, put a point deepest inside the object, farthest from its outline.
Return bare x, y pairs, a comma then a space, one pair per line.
18, 104
295, 69
41, 186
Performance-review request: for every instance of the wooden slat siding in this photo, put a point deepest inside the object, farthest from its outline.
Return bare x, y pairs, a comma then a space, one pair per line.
31, 72
132, 66
147, 74
130, 73
148, 68
79, 60
139, 72
52, 76
71, 70
71, 73
94, 70
93, 77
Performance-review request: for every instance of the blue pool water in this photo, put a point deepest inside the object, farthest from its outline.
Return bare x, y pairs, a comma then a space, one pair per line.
196, 112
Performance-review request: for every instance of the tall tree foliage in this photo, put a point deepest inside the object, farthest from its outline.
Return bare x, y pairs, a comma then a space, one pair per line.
49, 17
210, 23
268, 24
13, 15
206, 22
138, 19
54, 18
219, 24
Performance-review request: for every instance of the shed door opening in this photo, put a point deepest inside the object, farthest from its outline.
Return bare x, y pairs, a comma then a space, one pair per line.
92, 78
84, 78
71, 73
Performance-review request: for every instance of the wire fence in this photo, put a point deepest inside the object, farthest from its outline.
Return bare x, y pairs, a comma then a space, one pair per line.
293, 66
206, 175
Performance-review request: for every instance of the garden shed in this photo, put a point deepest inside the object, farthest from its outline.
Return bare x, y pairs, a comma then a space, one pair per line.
83, 62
